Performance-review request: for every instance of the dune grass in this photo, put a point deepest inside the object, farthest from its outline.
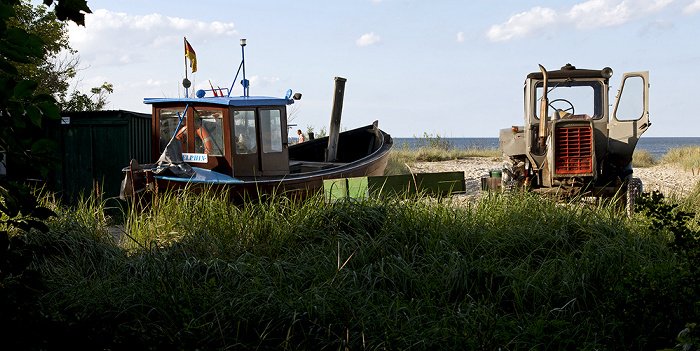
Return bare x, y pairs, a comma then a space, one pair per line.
687, 158
510, 271
643, 158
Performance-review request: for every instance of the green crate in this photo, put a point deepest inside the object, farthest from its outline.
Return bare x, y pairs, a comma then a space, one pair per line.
440, 183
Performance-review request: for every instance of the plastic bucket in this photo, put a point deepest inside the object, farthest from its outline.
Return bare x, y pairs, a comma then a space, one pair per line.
485, 183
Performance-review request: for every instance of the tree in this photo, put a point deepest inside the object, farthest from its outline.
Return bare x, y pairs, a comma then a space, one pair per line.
97, 99
24, 108
58, 62
23, 112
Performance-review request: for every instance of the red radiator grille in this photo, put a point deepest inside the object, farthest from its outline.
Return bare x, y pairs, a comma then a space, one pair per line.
573, 150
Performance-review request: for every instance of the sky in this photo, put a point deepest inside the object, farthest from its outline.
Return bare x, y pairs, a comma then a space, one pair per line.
451, 68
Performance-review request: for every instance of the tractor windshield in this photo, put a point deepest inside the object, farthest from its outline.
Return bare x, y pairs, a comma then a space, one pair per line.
572, 99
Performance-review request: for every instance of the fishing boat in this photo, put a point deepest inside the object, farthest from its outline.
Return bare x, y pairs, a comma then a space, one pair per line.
240, 144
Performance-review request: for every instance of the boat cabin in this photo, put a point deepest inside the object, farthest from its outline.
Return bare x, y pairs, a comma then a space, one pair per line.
217, 133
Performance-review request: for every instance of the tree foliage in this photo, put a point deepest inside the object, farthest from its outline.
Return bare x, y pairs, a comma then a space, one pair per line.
57, 64
24, 111
97, 99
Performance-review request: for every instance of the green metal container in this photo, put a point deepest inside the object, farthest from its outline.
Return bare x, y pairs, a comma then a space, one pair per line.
94, 146
397, 185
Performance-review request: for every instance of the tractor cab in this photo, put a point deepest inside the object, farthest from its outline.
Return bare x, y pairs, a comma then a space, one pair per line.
574, 136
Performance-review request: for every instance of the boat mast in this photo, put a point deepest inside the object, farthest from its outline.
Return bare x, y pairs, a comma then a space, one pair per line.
244, 82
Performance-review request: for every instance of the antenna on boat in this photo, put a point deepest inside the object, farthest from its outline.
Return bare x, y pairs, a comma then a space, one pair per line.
244, 82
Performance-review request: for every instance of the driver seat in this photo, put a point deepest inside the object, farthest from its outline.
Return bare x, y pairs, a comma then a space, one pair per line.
560, 114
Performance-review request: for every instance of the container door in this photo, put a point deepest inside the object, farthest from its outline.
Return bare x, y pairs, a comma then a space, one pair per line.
78, 159
630, 118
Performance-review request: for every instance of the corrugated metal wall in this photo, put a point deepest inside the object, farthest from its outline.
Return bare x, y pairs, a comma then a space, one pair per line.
95, 146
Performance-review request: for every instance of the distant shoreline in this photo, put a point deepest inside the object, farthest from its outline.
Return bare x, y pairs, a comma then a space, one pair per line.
656, 146
491, 137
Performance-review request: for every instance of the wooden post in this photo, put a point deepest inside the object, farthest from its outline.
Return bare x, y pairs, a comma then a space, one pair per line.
334, 131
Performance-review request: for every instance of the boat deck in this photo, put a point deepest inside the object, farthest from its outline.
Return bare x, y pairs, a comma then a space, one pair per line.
311, 166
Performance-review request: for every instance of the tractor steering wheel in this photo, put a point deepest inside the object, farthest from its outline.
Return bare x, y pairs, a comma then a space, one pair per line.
571, 106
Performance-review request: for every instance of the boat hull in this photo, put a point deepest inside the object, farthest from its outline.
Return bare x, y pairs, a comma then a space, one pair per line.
298, 185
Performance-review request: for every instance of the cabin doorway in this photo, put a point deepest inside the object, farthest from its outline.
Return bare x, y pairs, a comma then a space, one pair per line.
260, 141
630, 118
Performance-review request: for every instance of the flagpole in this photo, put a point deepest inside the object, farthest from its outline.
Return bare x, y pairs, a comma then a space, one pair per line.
186, 89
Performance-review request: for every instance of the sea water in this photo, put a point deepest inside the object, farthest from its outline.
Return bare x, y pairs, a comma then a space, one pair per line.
657, 146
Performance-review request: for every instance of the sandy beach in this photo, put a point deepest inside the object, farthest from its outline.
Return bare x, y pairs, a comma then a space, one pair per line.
664, 177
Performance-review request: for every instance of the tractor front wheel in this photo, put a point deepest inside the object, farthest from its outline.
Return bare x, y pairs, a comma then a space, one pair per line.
634, 189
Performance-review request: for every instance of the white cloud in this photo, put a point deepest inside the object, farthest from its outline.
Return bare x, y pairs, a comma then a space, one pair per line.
118, 38
523, 24
461, 37
155, 83
693, 8
586, 15
260, 82
368, 39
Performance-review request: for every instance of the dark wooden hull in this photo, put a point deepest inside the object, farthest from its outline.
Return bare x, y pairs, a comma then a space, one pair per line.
362, 152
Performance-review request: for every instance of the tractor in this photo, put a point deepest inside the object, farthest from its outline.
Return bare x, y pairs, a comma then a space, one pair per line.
584, 146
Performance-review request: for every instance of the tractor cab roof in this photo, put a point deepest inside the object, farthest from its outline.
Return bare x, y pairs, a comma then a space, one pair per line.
570, 71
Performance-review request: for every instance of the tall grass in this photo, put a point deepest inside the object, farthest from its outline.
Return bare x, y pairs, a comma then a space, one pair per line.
643, 158
509, 271
687, 157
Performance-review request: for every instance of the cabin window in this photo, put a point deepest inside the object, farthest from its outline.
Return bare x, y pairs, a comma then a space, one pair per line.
244, 127
630, 104
271, 131
210, 132
576, 99
169, 121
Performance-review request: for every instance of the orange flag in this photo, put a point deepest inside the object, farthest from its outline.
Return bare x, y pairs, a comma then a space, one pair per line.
189, 53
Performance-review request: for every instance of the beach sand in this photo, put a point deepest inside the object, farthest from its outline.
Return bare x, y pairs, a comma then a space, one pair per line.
664, 177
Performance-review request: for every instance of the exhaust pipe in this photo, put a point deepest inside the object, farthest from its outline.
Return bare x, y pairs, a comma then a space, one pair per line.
543, 113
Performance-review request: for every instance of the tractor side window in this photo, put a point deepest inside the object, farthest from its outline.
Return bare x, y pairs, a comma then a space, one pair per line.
630, 104
168, 124
583, 100
244, 129
209, 132
271, 131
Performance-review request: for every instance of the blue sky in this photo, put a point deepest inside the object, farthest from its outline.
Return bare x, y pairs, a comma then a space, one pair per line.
452, 68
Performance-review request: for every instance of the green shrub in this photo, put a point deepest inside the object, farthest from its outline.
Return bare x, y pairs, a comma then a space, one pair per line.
657, 298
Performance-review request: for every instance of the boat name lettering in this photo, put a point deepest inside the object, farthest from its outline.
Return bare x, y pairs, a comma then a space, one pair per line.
195, 158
